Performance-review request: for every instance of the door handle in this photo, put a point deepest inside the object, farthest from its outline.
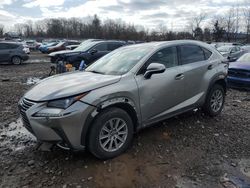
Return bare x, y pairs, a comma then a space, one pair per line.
210, 67
179, 77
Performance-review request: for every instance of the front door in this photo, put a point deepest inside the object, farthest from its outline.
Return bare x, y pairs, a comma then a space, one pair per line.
101, 50
161, 94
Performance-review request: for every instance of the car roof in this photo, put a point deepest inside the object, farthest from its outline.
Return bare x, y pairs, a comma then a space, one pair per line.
10, 42
169, 43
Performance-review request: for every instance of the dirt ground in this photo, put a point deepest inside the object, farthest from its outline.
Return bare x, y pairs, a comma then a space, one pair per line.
191, 150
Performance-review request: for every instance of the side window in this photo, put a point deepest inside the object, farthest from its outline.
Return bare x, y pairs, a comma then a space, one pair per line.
167, 56
207, 53
101, 47
191, 54
12, 46
113, 46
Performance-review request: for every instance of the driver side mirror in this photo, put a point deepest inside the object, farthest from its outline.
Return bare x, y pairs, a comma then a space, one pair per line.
93, 51
154, 68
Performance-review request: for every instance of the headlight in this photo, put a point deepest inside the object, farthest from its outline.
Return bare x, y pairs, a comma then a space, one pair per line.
66, 102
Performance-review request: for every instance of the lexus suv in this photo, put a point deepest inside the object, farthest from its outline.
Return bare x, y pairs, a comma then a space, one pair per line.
100, 109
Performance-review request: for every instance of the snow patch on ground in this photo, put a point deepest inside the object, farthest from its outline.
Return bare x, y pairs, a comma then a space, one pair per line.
16, 136
33, 80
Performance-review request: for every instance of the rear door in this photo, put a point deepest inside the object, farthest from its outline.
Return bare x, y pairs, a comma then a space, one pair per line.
162, 93
198, 71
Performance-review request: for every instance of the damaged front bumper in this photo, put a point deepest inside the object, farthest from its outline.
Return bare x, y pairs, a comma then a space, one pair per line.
64, 129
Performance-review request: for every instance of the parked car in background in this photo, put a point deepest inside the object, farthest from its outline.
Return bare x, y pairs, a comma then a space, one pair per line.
239, 73
32, 44
232, 53
61, 46
44, 47
12, 52
220, 44
101, 108
72, 47
89, 51
246, 48
56, 56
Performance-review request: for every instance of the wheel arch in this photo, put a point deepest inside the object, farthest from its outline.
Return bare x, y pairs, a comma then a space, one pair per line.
123, 103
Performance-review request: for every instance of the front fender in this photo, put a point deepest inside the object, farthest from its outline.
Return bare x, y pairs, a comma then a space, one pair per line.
119, 101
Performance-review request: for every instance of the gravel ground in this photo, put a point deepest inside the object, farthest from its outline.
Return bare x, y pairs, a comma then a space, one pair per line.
190, 150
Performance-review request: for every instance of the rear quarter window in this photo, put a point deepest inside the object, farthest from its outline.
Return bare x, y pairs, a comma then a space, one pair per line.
207, 53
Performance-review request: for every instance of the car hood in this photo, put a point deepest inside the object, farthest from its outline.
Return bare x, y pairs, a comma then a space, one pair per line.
240, 65
63, 52
69, 84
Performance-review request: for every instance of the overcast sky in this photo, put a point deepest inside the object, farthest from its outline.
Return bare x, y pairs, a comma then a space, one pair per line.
174, 14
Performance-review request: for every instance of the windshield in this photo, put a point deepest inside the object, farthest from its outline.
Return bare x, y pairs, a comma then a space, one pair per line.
85, 46
245, 58
119, 61
224, 49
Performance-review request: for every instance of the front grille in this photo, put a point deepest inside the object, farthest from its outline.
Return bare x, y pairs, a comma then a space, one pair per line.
239, 73
23, 107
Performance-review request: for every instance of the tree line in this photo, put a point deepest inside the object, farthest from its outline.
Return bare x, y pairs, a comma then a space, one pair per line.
202, 27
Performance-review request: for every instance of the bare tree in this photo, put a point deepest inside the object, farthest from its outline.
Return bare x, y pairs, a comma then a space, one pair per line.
195, 25
1, 30
230, 22
246, 14
218, 25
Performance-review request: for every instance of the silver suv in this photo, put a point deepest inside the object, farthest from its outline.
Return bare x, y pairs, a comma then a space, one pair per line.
129, 89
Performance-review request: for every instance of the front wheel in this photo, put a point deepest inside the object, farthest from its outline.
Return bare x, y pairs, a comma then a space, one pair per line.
111, 133
215, 100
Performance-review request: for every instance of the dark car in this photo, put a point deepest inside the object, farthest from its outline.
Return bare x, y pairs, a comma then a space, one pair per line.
12, 52
239, 73
56, 56
87, 51
232, 53
61, 46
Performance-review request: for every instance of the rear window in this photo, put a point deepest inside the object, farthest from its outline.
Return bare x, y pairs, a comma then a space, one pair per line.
191, 54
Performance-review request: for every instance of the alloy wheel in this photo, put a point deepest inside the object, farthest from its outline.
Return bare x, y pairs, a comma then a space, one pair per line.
113, 134
216, 100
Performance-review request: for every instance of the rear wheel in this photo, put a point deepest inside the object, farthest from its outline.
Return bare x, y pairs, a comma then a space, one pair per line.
16, 60
215, 100
111, 134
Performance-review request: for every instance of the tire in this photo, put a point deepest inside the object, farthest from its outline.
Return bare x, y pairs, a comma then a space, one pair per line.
16, 60
96, 144
215, 101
